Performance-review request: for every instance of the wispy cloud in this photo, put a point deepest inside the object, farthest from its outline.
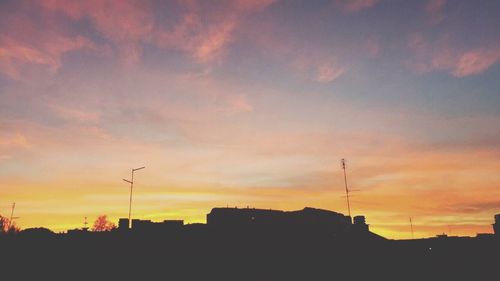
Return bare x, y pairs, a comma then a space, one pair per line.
459, 62
235, 104
352, 6
211, 46
319, 69
126, 23
129, 24
328, 72
75, 114
15, 54
476, 61
434, 9
11, 141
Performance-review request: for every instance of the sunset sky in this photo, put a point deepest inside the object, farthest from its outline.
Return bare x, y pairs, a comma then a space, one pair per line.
252, 103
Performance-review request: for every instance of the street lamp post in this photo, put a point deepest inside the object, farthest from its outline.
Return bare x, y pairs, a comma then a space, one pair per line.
130, 203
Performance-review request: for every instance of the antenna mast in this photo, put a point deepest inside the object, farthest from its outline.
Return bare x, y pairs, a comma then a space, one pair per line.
346, 188
411, 228
12, 215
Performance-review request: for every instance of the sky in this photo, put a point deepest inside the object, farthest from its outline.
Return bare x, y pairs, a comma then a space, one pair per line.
252, 103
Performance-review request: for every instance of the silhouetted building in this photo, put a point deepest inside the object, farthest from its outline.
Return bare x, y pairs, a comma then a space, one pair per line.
150, 226
360, 223
484, 235
496, 225
306, 220
123, 224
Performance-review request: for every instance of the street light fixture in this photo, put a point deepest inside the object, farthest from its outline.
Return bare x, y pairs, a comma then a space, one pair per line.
130, 203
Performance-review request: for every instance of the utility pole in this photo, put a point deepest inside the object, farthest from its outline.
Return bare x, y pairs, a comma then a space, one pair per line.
346, 189
411, 228
131, 181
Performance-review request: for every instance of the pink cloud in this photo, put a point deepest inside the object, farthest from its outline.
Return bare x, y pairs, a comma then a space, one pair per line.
328, 72
434, 9
68, 113
95, 132
320, 69
441, 56
129, 23
14, 54
15, 140
253, 5
211, 45
26, 41
371, 47
352, 6
120, 20
429, 57
11, 142
207, 41
476, 61
235, 104
203, 42
312, 60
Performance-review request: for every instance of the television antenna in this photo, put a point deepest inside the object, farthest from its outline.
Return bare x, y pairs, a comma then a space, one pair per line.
12, 218
342, 161
411, 228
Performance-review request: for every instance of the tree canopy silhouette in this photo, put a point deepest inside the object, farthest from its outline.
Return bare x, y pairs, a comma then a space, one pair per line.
103, 224
6, 226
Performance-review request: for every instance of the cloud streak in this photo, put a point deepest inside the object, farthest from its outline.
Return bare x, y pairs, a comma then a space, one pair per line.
353, 6
458, 62
434, 9
129, 24
15, 54
328, 72
476, 61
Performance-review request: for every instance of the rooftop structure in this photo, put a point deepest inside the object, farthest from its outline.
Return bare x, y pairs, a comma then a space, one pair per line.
496, 225
148, 225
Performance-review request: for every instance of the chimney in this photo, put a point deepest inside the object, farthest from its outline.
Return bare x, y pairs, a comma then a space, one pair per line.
496, 225
360, 223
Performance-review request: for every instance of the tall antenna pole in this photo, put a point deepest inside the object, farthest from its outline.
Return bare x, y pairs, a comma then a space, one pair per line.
346, 188
12, 215
411, 228
130, 202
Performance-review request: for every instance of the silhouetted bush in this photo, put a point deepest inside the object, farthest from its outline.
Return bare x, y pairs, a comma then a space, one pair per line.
103, 224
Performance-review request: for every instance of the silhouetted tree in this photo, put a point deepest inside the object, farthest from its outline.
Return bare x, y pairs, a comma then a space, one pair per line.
103, 224
6, 226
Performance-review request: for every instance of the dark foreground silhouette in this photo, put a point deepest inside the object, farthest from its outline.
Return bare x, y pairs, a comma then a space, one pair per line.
247, 244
